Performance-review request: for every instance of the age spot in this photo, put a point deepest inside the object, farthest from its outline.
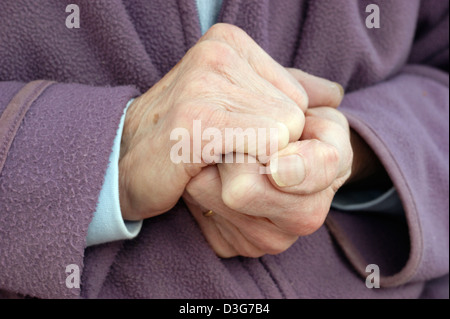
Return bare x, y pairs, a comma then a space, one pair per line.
155, 118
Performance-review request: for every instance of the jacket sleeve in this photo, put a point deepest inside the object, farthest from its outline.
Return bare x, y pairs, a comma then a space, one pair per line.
56, 141
405, 121
108, 224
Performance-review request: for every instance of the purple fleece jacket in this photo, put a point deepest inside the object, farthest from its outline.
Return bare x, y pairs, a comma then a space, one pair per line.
56, 137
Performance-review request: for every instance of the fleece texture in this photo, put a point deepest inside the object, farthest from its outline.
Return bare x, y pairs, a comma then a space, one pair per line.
108, 224
396, 79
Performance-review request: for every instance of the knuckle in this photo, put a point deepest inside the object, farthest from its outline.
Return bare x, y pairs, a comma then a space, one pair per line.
216, 30
271, 240
309, 221
301, 99
213, 55
247, 249
199, 185
316, 218
225, 32
312, 224
341, 118
221, 250
253, 253
332, 115
331, 156
275, 247
295, 122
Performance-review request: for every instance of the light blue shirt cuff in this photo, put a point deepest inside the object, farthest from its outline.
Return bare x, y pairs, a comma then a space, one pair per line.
208, 12
107, 224
387, 202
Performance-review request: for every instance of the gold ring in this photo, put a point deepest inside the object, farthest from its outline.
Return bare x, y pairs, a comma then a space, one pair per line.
208, 213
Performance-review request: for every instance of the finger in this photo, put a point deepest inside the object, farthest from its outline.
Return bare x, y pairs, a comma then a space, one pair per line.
222, 132
236, 239
226, 237
331, 127
280, 108
262, 235
321, 92
239, 88
210, 230
321, 159
246, 191
259, 60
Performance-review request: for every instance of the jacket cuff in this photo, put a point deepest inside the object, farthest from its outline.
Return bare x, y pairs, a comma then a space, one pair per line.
404, 121
51, 181
107, 224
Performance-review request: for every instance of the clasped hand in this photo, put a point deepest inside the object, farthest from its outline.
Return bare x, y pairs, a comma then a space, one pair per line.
257, 214
226, 81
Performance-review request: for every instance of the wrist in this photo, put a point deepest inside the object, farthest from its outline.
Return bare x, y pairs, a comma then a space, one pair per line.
126, 138
129, 127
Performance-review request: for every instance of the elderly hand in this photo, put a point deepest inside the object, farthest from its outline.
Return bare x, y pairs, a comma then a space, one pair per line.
257, 214
225, 81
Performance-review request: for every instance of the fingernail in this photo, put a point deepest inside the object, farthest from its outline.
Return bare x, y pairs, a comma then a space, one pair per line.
287, 170
341, 89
